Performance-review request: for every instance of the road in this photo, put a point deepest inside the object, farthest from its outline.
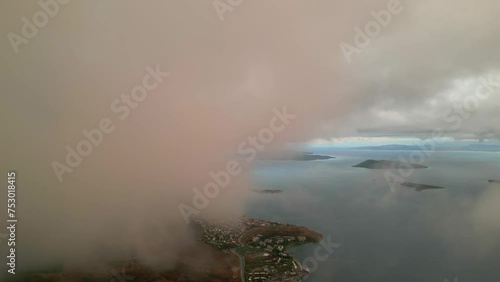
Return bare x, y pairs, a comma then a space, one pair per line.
242, 265
242, 260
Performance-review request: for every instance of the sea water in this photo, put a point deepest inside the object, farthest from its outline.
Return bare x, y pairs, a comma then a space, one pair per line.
387, 235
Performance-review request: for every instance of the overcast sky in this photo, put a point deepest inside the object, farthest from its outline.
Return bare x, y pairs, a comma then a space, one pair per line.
422, 64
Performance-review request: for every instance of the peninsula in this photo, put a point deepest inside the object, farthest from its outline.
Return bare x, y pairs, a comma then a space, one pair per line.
243, 249
261, 246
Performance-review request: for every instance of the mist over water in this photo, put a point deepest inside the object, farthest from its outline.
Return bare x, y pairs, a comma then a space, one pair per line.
401, 236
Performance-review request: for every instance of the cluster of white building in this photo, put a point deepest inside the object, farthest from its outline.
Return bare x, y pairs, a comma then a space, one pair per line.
226, 234
276, 256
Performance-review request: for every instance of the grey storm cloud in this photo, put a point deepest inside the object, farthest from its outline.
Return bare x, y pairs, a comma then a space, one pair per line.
225, 79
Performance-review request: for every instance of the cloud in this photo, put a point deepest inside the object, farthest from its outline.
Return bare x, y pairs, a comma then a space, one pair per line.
226, 77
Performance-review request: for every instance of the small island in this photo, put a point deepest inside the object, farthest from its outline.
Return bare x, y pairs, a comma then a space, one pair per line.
420, 187
310, 157
268, 191
494, 181
289, 155
373, 164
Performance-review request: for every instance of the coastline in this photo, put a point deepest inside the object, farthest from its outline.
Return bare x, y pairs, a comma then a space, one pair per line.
262, 246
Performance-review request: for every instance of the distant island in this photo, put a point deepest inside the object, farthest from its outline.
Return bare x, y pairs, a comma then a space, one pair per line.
468, 147
493, 181
373, 164
268, 191
290, 155
420, 187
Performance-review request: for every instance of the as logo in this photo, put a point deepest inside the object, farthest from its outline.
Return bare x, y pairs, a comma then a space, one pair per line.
121, 277
456, 280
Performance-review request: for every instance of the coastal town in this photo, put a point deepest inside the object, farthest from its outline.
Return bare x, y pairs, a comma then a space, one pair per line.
261, 246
